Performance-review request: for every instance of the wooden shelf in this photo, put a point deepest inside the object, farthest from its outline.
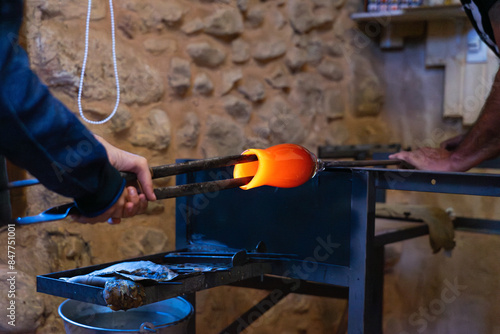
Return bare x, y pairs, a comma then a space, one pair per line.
468, 71
425, 13
411, 22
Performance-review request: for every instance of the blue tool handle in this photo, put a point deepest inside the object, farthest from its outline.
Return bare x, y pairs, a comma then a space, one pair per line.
55, 213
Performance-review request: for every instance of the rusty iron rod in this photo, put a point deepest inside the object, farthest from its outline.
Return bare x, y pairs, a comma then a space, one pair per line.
167, 170
199, 188
199, 165
62, 211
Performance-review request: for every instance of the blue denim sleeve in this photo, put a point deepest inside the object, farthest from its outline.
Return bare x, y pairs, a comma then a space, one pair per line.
38, 133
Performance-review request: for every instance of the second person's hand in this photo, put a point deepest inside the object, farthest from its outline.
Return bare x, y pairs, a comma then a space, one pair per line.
427, 158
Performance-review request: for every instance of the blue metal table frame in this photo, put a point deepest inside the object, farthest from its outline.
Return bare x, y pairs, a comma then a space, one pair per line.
356, 273
366, 283
317, 239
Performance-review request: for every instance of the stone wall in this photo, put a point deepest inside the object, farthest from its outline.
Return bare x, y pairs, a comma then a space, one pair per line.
202, 78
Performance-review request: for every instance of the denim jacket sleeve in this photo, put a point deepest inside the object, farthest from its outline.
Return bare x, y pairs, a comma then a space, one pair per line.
38, 133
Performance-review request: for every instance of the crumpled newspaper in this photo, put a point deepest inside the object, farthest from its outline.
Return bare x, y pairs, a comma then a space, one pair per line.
123, 282
137, 271
441, 230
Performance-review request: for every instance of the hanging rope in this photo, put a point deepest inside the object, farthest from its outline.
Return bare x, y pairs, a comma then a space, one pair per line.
113, 46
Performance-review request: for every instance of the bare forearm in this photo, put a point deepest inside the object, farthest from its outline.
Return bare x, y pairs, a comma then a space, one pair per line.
483, 140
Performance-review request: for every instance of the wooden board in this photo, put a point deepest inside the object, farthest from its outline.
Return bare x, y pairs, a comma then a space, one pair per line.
466, 85
478, 81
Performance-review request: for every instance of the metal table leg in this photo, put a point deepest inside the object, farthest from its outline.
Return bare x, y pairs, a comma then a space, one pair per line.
366, 262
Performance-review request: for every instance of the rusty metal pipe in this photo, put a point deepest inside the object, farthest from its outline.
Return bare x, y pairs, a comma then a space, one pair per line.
199, 188
167, 170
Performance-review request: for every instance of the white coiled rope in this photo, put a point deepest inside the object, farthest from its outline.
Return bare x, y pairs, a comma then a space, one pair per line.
87, 28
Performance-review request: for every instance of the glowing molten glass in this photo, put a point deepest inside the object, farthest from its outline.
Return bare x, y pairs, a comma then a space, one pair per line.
283, 166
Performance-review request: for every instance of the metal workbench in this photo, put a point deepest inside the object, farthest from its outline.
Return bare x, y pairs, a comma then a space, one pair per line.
316, 239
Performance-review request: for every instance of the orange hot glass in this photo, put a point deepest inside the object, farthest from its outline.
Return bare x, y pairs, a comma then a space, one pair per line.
283, 166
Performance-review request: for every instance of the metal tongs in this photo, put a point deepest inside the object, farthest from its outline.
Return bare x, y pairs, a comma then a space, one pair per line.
62, 211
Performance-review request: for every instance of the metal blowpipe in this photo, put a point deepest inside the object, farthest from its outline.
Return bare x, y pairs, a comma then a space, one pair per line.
247, 175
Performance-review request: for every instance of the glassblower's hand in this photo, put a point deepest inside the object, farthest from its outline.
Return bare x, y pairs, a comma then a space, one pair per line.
128, 162
130, 203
